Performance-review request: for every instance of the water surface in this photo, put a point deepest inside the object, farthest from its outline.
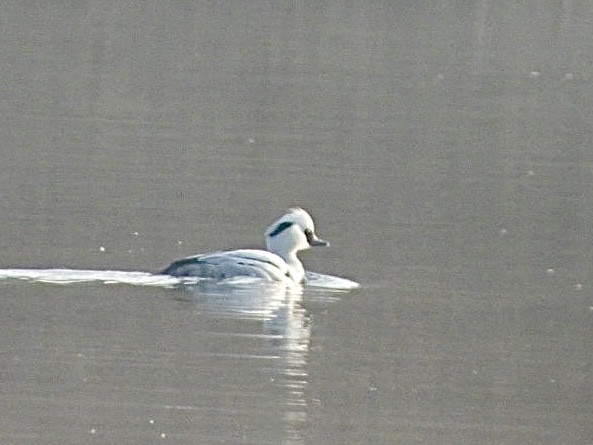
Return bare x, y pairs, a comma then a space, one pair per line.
442, 147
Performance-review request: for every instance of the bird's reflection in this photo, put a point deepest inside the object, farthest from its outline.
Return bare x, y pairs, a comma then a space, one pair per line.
286, 331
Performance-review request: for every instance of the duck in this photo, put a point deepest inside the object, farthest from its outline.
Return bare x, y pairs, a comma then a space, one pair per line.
291, 233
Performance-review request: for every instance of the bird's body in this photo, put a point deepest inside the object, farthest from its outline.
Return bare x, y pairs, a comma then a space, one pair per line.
293, 232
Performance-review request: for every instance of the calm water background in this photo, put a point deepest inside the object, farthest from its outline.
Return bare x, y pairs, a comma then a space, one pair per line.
444, 148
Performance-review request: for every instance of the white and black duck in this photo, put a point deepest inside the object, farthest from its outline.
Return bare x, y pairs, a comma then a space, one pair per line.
290, 234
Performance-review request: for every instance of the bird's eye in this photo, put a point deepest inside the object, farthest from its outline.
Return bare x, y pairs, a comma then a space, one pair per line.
309, 235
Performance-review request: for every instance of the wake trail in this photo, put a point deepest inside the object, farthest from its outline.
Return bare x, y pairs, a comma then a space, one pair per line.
137, 278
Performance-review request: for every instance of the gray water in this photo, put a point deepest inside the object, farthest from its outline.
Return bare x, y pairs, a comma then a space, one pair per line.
444, 148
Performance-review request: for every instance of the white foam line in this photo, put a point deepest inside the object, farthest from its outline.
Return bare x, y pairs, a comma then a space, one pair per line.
70, 276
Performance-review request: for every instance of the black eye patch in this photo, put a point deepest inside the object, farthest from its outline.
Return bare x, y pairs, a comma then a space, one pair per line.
281, 227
